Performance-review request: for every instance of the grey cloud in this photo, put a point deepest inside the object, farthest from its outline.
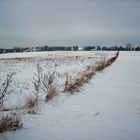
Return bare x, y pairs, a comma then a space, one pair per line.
33, 23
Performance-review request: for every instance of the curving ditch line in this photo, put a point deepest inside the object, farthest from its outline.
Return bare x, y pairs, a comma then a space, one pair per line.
87, 75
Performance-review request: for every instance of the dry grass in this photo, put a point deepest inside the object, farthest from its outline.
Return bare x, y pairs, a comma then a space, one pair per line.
52, 93
103, 64
49, 85
31, 102
71, 87
79, 81
10, 123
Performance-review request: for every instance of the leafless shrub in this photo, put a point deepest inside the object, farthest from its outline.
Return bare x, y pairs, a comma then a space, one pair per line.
37, 79
33, 101
49, 84
6, 89
10, 122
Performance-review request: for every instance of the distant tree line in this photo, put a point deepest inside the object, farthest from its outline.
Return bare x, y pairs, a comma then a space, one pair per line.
128, 47
15, 49
120, 48
60, 48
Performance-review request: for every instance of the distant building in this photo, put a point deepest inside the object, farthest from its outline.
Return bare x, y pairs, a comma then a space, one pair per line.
80, 48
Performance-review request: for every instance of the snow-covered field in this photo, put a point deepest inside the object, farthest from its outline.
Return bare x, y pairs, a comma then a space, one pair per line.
107, 108
25, 67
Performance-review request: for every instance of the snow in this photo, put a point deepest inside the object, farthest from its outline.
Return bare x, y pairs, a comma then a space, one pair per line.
107, 108
47, 54
24, 64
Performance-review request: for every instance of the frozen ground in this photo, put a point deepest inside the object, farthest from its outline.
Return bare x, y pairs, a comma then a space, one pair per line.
108, 108
25, 67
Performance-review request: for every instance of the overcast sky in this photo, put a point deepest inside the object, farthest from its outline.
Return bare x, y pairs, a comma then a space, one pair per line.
68, 22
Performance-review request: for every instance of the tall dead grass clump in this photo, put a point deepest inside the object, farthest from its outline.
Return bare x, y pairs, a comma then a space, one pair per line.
49, 84
69, 85
10, 122
31, 102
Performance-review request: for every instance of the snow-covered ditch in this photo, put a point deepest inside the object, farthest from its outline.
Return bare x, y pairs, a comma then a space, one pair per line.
108, 108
